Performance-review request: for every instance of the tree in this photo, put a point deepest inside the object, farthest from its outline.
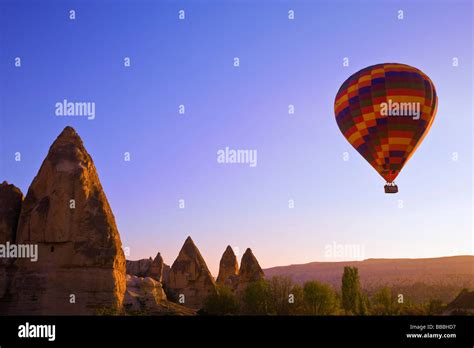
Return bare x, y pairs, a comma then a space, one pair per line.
364, 304
257, 298
297, 300
319, 299
352, 300
223, 302
410, 308
280, 289
435, 306
383, 302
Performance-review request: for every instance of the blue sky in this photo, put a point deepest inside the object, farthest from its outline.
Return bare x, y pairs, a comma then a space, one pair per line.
300, 156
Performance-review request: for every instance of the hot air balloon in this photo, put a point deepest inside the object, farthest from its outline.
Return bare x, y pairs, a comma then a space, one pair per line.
385, 111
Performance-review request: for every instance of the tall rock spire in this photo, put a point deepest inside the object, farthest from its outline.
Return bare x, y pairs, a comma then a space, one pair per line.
228, 268
156, 268
81, 265
250, 270
189, 278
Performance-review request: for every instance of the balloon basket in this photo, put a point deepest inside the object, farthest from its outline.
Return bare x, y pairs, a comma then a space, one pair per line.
391, 188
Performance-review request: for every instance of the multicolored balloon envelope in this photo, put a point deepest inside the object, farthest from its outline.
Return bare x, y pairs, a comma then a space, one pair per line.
385, 111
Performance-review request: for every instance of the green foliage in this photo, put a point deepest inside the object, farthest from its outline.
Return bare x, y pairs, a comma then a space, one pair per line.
383, 302
410, 308
364, 304
279, 296
420, 292
352, 300
257, 298
319, 299
280, 289
435, 306
223, 302
297, 307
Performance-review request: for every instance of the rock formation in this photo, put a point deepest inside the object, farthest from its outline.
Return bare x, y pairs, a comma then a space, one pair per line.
142, 293
10, 206
139, 268
145, 296
228, 269
250, 271
80, 257
156, 268
189, 278
166, 274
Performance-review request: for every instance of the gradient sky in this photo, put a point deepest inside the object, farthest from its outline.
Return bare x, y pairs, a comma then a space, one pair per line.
300, 157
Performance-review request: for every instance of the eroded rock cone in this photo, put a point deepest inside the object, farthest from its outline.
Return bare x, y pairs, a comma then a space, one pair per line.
250, 271
228, 268
156, 268
10, 206
189, 278
81, 265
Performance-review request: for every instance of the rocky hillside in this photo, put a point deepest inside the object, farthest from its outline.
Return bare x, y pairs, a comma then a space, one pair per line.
421, 279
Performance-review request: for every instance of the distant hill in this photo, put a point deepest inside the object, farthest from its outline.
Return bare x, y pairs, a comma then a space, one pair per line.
418, 279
